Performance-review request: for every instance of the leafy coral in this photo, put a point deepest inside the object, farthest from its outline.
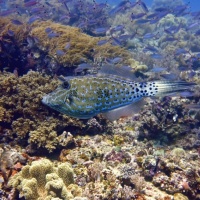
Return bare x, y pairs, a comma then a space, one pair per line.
42, 180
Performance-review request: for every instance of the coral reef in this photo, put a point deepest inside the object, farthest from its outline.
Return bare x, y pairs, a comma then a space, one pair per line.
40, 49
8, 158
43, 180
81, 48
20, 32
166, 120
24, 116
153, 154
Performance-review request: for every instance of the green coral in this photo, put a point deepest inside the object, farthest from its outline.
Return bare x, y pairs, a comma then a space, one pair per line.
43, 181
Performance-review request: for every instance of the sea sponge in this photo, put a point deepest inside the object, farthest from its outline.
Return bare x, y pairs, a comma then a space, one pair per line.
42, 180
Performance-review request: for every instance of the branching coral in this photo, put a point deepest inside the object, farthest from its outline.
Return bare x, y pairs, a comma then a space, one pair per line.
41, 180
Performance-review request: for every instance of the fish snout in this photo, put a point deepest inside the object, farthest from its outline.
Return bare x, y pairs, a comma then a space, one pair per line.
45, 100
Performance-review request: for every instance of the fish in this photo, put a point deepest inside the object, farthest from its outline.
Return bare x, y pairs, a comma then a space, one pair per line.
84, 97
16, 22
60, 52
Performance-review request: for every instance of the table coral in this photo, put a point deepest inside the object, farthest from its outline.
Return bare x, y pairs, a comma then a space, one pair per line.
43, 180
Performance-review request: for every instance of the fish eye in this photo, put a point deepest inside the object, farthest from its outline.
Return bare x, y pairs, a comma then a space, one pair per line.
66, 85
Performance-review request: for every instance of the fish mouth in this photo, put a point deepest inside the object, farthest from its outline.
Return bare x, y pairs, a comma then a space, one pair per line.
45, 100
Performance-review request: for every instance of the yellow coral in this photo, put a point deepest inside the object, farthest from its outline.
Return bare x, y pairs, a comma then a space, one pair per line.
42, 180
20, 32
80, 44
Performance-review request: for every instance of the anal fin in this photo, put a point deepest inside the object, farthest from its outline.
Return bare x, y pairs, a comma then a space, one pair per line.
125, 111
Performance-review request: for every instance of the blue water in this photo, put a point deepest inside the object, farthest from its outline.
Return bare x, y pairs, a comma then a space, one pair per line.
194, 4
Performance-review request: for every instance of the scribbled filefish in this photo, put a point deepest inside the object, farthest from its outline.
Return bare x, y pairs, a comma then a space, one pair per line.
86, 96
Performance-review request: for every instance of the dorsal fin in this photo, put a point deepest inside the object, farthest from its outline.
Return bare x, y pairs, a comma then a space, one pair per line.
123, 71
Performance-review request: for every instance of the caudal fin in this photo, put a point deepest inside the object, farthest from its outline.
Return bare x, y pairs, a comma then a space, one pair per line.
162, 88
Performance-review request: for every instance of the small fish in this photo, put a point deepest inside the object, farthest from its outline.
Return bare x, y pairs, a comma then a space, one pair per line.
114, 60
30, 41
7, 12
156, 56
157, 69
16, 22
102, 42
170, 76
53, 35
30, 3
68, 45
10, 33
143, 6
82, 67
33, 19
137, 16
197, 33
149, 35
48, 30
100, 30
180, 51
150, 48
117, 28
60, 52
142, 21
86, 96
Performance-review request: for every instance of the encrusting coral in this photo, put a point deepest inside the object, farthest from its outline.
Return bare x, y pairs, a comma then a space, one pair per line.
43, 180
23, 115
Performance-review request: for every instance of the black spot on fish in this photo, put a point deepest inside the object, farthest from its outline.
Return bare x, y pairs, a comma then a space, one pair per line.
66, 85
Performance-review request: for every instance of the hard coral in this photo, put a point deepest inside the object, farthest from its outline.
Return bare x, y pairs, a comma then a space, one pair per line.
19, 35
42, 180
23, 112
167, 120
82, 46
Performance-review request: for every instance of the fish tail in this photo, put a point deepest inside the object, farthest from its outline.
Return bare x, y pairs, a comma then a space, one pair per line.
162, 88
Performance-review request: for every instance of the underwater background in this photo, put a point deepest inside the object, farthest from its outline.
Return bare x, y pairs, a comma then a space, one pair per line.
64, 64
